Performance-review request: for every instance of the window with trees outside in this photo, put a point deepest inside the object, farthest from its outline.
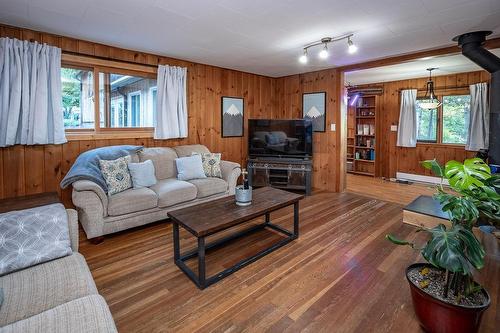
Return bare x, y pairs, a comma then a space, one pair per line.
77, 98
126, 99
449, 124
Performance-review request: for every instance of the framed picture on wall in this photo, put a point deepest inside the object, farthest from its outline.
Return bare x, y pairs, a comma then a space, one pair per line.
314, 109
232, 116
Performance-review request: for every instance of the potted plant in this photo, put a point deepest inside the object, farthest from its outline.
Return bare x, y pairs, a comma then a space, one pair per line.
445, 296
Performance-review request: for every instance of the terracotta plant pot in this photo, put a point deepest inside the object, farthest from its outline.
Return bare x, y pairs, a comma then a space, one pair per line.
436, 316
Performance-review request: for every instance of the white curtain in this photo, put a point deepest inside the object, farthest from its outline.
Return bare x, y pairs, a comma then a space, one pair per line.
479, 123
30, 93
171, 115
407, 128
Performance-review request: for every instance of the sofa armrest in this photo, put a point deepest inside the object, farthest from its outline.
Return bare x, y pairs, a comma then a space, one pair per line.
73, 228
92, 206
230, 173
87, 185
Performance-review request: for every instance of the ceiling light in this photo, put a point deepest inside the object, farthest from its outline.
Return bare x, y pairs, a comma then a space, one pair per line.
303, 58
325, 41
352, 48
429, 101
324, 53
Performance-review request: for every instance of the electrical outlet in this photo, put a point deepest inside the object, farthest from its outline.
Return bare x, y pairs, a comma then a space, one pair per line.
394, 128
332, 127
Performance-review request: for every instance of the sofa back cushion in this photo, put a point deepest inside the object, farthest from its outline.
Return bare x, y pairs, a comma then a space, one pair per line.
188, 150
163, 159
33, 236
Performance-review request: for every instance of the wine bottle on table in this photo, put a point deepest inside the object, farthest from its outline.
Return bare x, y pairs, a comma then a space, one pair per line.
244, 173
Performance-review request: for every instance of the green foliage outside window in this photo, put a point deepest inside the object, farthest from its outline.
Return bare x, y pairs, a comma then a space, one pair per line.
454, 121
456, 118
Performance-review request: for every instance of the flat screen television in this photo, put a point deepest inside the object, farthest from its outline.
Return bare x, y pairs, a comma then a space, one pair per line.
280, 138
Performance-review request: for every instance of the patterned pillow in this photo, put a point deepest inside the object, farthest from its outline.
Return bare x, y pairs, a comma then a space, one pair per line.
211, 164
33, 236
116, 174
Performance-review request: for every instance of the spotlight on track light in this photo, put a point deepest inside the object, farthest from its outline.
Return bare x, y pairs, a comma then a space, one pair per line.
303, 57
324, 53
352, 48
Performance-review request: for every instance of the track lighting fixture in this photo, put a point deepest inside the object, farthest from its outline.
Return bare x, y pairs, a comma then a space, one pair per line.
323, 54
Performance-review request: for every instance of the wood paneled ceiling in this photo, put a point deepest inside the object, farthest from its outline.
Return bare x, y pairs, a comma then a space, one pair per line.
258, 36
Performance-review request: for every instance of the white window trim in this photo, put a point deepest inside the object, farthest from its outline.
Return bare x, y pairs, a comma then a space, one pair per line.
149, 110
129, 107
116, 114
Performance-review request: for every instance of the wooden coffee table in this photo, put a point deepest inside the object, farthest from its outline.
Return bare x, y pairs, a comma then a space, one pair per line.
215, 216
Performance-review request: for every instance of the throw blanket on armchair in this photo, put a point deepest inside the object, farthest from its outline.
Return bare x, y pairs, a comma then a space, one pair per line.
86, 166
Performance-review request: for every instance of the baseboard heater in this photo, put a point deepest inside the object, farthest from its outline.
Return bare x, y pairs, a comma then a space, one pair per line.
419, 178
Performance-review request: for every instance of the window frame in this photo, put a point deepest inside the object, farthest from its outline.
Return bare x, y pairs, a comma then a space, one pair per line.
439, 120
107, 66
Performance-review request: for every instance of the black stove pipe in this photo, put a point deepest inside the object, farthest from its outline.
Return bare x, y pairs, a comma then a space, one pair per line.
472, 47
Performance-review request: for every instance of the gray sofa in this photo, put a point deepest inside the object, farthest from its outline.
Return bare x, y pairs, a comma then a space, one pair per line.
101, 214
58, 296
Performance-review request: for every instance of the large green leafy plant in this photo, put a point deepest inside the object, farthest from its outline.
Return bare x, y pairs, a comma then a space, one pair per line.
456, 250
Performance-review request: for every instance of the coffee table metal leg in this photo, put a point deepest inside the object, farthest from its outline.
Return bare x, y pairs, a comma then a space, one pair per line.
296, 219
177, 252
201, 262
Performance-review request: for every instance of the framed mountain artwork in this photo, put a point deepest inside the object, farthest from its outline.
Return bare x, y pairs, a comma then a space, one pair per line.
314, 109
232, 116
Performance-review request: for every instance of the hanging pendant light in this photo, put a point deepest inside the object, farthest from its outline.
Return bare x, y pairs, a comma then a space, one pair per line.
429, 101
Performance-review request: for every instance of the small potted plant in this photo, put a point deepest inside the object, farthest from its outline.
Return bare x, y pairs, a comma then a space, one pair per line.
445, 296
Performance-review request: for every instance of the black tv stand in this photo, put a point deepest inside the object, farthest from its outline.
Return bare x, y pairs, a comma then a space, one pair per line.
281, 172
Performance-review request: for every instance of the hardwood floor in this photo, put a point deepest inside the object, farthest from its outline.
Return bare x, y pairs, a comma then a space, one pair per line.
385, 190
341, 275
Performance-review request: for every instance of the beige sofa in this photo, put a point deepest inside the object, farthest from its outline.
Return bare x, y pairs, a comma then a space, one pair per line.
101, 214
58, 296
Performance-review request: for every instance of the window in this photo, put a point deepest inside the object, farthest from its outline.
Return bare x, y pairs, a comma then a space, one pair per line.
449, 124
426, 124
77, 98
121, 100
456, 116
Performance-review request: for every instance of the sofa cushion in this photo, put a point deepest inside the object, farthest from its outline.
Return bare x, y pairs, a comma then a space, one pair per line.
209, 186
42, 287
83, 315
163, 159
172, 191
32, 236
188, 150
132, 200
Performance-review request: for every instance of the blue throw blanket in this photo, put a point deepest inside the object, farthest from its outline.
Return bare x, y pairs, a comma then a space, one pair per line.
86, 166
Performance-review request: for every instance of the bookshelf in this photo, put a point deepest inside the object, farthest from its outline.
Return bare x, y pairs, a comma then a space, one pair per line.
361, 140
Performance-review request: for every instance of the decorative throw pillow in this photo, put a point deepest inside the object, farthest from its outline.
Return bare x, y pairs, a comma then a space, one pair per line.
116, 174
33, 236
211, 164
190, 167
143, 174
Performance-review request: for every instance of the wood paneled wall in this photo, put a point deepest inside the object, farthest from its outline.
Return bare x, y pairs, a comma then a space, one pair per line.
33, 169
327, 156
391, 158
